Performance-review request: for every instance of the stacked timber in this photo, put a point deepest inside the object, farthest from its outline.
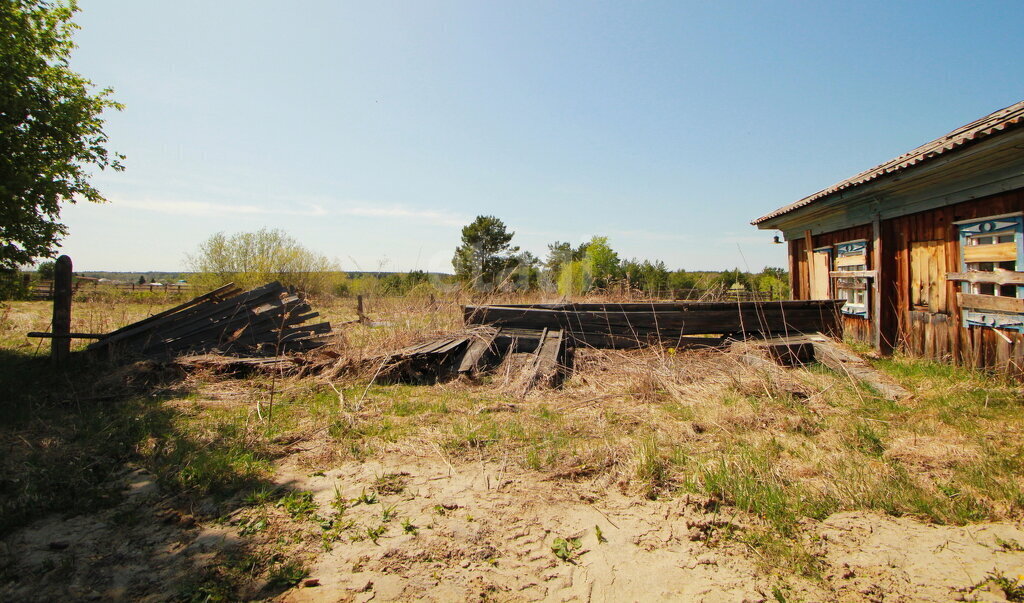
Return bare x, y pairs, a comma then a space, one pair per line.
427, 362
265, 321
550, 333
612, 325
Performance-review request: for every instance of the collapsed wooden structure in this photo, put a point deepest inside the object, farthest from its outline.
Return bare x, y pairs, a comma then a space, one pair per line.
550, 333
265, 321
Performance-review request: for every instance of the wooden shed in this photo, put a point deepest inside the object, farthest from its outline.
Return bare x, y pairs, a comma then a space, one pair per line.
927, 249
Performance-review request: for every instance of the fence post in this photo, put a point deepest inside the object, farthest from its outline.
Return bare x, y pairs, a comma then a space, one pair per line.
60, 345
359, 308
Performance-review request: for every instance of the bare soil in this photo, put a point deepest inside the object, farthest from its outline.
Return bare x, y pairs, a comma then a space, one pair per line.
484, 531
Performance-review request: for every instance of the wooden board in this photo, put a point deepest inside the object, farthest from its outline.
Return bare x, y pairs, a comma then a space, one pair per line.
927, 267
998, 277
821, 285
998, 252
842, 359
476, 351
992, 303
852, 260
546, 369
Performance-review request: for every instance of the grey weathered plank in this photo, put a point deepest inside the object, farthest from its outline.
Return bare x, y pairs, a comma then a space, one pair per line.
476, 351
843, 360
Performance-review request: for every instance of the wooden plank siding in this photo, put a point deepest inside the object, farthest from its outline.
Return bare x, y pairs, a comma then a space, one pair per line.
853, 326
934, 331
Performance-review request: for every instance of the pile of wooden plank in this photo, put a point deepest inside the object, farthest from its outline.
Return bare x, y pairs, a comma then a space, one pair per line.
624, 325
265, 321
547, 353
551, 333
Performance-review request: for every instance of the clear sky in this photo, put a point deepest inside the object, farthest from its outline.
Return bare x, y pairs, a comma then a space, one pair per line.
373, 131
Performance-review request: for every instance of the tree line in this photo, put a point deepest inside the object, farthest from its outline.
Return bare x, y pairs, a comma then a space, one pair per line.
486, 260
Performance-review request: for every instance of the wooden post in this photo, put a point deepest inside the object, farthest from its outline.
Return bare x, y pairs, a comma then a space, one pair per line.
793, 267
359, 308
876, 283
809, 252
60, 345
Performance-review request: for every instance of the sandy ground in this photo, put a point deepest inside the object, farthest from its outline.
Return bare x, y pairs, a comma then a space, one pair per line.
485, 532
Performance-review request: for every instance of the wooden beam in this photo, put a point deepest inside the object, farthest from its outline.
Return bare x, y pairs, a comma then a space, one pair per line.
991, 303
792, 277
66, 335
748, 317
999, 277
876, 285
809, 252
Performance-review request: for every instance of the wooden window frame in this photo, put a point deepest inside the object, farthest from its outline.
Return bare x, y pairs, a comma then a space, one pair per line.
991, 310
852, 256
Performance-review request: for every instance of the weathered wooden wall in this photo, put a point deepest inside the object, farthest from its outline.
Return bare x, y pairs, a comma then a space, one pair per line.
853, 326
932, 334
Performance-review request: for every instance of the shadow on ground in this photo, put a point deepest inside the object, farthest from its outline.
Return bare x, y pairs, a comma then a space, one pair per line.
105, 489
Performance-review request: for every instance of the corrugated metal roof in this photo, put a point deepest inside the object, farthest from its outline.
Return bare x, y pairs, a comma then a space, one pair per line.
992, 124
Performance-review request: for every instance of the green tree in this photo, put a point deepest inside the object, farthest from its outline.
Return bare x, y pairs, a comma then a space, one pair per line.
603, 262
773, 281
250, 259
142, 279
525, 273
653, 277
46, 269
681, 280
485, 255
51, 130
575, 278
728, 278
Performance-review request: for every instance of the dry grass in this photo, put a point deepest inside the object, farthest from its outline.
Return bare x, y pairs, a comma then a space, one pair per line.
780, 446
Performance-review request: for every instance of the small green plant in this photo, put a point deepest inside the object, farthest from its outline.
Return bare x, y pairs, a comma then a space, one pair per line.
260, 496
868, 440
390, 483
365, 498
1013, 588
600, 535
340, 503
300, 505
566, 549
287, 574
408, 527
443, 509
375, 533
1010, 545
651, 469
253, 526
388, 514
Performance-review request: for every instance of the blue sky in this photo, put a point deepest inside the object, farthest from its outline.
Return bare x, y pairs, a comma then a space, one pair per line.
373, 131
